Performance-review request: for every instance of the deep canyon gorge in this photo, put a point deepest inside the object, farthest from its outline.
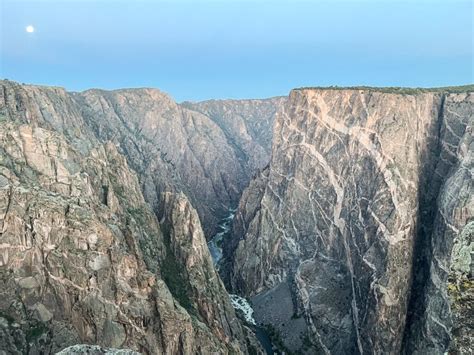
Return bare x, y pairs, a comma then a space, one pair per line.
330, 221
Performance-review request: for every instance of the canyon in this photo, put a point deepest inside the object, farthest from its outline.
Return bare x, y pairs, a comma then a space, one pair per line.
334, 220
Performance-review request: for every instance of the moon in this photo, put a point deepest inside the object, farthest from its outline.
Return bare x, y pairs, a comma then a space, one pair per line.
30, 29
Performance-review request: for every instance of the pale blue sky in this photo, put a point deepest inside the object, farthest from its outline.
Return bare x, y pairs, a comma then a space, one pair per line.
197, 50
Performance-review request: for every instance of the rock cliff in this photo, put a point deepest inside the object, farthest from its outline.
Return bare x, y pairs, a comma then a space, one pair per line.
169, 146
83, 256
354, 220
354, 236
247, 125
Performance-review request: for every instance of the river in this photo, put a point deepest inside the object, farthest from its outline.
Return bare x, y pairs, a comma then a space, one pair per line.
215, 244
239, 303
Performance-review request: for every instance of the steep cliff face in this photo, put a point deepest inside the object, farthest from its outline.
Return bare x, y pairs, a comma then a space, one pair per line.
83, 257
439, 312
247, 125
170, 146
364, 189
192, 265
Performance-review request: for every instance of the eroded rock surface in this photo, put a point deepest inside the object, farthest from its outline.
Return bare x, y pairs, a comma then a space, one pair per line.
247, 124
83, 257
169, 146
364, 196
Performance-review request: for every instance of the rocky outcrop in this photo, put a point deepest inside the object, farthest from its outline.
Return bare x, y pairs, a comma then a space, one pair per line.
190, 264
83, 257
356, 214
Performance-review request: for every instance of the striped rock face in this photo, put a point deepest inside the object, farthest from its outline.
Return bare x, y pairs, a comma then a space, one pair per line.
356, 215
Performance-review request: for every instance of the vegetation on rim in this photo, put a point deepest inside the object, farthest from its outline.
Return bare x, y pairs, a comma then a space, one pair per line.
396, 90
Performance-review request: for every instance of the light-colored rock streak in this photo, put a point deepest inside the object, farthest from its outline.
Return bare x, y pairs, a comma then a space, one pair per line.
359, 174
361, 135
290, 242
334, 179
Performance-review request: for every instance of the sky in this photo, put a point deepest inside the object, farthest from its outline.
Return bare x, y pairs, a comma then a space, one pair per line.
203, 49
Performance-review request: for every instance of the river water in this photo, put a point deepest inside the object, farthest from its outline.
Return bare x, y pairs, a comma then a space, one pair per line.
239, 303
215, 244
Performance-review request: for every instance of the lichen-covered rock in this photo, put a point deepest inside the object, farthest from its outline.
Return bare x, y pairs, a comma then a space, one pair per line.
458, 216
441, 312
